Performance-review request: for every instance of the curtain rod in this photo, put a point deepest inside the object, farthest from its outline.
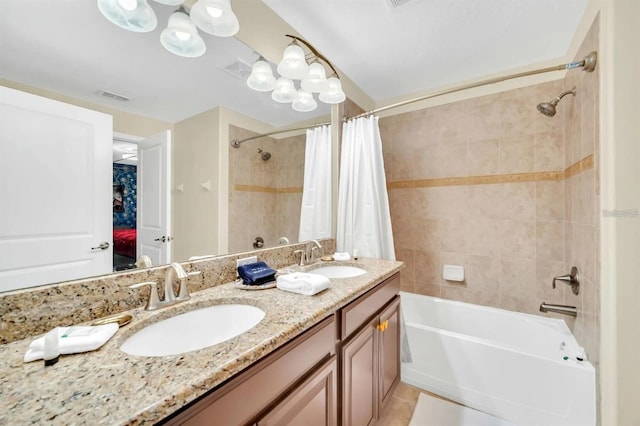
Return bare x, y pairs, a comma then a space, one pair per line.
588, 64
236, 143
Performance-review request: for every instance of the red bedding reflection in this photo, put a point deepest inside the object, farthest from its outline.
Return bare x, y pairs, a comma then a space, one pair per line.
124, 242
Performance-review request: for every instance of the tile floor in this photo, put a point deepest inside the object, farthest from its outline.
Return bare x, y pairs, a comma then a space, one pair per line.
400, 409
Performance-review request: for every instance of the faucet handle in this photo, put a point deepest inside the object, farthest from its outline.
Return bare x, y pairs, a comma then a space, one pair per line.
154, 301
572, 279
313, 250
183, 292
302, 256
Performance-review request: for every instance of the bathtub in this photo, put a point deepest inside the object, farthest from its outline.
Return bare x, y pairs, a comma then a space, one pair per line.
504, 363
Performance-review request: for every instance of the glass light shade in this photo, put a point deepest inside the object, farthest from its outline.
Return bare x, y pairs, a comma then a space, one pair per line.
132, 15
304, 102
316, 80
285, 92
215, 17
334, 93
261, 78
170, 2
181, 37
293, 64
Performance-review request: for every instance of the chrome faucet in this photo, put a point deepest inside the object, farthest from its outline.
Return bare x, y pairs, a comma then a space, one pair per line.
175, 270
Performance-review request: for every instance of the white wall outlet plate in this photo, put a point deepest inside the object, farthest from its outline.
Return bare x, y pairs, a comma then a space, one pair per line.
245, 260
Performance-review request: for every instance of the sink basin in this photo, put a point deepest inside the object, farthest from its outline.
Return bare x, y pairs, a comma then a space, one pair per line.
193, 330
339, 271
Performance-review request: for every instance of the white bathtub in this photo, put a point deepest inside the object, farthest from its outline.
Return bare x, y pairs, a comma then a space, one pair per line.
504, 363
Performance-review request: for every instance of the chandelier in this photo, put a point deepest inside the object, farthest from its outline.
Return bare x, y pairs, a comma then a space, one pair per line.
309, 72
181, 35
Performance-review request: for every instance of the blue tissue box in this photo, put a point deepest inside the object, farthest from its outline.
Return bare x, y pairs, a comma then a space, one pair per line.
256, 273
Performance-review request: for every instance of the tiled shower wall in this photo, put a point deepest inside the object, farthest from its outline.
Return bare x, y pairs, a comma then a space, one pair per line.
264, 196
582, 197
483, 182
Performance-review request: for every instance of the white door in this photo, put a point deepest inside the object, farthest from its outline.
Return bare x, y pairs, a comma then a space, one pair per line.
154, 198
55, 191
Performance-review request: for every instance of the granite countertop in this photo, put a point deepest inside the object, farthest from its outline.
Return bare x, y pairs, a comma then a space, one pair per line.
108, 386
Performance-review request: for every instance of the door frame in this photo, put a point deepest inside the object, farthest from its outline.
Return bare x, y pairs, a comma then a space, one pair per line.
126, 137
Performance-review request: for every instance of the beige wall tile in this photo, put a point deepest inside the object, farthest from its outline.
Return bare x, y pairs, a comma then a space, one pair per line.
517, 154
484, 202
518, 238
550, 240
545, 271
548, 151
518, 201
550, 200
483, 157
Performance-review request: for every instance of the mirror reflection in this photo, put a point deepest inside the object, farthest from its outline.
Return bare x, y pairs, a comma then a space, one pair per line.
220, 199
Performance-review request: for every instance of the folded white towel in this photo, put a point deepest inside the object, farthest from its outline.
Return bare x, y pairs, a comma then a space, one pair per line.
341, 256
71, 340
303, 283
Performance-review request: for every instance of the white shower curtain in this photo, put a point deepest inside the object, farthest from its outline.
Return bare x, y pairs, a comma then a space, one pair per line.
315, 213
364, 221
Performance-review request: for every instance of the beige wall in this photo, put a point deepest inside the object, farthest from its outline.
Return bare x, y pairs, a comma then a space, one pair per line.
195, 209
620, 245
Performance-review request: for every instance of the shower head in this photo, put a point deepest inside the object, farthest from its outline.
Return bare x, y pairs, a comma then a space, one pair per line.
264, 154
549, 108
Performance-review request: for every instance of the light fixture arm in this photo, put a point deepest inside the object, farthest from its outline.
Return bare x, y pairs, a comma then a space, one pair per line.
315, 53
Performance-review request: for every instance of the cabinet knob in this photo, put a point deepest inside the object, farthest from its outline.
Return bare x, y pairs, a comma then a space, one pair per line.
383, 325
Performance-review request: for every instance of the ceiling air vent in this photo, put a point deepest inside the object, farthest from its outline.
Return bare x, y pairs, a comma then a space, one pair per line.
238, 69
392, 4
112, 95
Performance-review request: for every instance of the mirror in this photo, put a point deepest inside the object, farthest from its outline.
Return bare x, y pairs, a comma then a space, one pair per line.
249, 196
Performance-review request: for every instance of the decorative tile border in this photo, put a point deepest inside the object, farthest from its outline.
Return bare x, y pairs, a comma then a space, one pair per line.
267, 189
579, 167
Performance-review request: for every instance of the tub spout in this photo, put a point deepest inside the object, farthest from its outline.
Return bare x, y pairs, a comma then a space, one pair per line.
559, 309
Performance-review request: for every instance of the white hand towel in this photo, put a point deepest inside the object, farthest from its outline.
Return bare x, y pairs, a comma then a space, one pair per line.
74, 339
303, 283
341, 256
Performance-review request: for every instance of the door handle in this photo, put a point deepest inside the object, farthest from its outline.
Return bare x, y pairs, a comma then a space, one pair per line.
102, 246
163, 239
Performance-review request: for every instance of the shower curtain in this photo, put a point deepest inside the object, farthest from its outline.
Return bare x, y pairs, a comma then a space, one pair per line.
315, 212
364, 221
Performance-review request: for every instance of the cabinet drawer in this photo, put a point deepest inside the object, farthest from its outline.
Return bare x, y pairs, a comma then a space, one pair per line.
359, 311
240, 400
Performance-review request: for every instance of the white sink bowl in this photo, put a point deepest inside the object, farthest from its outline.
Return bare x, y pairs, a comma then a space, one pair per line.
193, 330
339, 271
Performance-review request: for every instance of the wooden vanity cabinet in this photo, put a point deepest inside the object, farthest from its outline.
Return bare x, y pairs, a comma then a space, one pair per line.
370, 356
341, 371
282, 374
313, 402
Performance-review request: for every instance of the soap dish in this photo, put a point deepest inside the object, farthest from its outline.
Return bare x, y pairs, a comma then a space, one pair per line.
121, 319
241, 285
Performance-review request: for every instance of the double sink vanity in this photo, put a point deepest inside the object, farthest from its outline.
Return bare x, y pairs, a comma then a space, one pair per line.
332, 358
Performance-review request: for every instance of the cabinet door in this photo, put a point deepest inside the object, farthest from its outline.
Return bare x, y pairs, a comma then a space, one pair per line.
360, 377
314, 402
389, 347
